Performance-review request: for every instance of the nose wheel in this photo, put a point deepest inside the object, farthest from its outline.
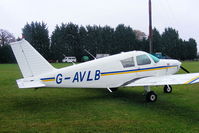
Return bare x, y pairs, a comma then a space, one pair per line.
167, 89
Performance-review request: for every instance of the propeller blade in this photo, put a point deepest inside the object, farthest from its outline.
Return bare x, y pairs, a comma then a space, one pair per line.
184, 69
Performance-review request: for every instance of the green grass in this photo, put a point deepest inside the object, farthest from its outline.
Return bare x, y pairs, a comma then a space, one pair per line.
96, 110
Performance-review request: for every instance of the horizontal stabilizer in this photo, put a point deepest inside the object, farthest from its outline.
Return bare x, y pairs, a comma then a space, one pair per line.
24, 83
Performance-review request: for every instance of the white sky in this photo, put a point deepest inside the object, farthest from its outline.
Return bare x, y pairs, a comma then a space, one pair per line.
183, 15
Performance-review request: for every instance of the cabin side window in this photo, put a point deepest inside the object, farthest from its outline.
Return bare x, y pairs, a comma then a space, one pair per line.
129, 62
143, 60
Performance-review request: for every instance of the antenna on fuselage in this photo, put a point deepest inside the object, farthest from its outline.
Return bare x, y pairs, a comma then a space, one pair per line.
89, 53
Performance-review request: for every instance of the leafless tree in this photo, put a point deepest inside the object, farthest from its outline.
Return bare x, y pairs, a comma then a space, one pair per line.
6, 37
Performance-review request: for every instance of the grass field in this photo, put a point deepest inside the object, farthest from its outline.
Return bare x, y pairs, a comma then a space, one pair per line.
96, 110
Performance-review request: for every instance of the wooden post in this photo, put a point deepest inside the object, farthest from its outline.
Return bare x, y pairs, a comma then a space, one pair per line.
150, 29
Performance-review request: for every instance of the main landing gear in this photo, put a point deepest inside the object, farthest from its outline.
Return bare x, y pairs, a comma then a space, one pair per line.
151, 96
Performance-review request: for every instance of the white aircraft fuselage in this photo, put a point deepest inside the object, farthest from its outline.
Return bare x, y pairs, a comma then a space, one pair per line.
108, 72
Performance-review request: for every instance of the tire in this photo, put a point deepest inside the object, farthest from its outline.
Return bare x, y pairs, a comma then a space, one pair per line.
151, 96
113, 89
167, 89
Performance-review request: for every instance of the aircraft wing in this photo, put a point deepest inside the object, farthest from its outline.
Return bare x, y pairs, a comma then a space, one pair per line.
165, 80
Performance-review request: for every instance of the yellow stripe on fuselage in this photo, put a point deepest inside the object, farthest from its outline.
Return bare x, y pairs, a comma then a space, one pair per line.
153, 69
48, 80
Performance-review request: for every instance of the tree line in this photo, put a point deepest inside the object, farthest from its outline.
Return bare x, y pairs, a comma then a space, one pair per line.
70, 39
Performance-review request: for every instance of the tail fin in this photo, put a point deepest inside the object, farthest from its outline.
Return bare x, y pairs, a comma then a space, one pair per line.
30, 62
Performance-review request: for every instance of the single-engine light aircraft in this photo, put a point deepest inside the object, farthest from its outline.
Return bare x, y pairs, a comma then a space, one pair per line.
127, 69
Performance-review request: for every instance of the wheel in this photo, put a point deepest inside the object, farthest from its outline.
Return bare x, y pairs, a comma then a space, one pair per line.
167, 89
151, 96
113, 89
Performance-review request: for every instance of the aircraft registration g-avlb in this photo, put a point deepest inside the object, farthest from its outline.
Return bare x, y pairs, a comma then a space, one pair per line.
127, 69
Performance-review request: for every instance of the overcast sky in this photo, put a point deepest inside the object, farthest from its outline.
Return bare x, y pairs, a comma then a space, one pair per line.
183, 15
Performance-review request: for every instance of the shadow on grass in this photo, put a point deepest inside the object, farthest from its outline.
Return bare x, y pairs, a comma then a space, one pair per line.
55, 102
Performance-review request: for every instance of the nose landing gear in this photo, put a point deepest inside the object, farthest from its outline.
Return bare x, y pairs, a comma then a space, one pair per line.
167, 89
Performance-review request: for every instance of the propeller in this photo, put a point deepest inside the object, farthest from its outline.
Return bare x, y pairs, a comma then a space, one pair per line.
184, 69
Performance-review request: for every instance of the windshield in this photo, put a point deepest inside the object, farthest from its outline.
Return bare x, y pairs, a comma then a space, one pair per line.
155, 59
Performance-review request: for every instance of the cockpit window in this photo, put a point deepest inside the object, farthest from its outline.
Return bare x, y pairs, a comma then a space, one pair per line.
143, 60
155, 59
129, 62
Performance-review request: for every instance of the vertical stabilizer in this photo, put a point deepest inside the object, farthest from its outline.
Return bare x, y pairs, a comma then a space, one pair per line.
30, 62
